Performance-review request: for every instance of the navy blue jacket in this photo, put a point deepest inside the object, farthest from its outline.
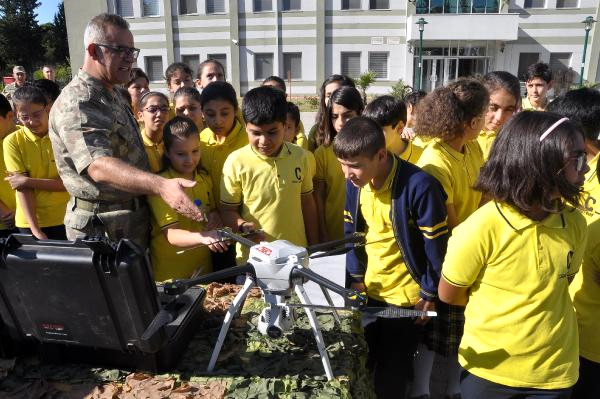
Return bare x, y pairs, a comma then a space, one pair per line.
419, 220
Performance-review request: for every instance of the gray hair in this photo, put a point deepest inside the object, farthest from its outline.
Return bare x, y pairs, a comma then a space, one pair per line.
95, 29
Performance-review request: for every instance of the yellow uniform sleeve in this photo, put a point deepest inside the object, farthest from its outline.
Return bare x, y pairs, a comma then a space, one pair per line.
321, 163
12, 155
465, 257
580, 250
442, 175
231, 184
307, 181
162, 213
312, 164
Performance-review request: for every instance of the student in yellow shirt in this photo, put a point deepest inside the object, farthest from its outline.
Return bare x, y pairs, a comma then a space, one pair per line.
410, 101
7, 194
538, 81
511, 261
505, 92
293, 132
582, 106
40, 193
452, 116
188, 103
328, 86
138, 85
401, 209
390, 114
278, 83
154, 112
181, 247
344, 104
178, 75
209, 71
266, 184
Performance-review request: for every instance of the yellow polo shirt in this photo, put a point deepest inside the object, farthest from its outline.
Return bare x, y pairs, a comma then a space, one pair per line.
155, 153
7, 194
214, 154
268, 191
457, 172
591, 192
486, 139
25, 152
387, 279
520, 326
301, 140
166, 262
329, 170
527, 106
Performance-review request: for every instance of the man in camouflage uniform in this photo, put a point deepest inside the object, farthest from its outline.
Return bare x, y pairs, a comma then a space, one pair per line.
98, 148
20, 77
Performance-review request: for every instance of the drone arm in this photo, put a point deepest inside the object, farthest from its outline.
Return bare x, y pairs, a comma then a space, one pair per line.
354, 238
352, 298
178, 287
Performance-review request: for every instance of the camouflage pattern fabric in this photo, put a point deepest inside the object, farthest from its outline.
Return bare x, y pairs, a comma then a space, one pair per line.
9, 90
250, 365
88, 122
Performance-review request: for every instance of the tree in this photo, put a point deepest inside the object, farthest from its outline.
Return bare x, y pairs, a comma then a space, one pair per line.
20, 35
365, 81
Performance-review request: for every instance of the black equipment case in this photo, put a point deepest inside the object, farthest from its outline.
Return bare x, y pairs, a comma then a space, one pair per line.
93, 301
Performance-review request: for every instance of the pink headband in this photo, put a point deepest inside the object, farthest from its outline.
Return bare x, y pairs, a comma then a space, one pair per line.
551, 128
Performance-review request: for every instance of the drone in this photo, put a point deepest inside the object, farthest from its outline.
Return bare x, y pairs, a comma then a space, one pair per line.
280, 269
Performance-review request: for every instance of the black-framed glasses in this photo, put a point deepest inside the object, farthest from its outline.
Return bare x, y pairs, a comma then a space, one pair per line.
580, 162
122, 50
154, 109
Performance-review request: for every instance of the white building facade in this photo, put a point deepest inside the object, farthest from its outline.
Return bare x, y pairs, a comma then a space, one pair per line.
307, 40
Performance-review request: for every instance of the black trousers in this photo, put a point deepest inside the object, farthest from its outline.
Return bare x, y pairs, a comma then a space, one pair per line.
473, 387
52, 232
392, 346
588, 386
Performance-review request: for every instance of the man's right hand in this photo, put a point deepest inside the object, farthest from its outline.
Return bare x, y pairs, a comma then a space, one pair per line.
172, 191
361, 287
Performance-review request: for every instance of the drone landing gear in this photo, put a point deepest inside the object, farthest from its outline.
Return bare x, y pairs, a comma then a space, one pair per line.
238, 302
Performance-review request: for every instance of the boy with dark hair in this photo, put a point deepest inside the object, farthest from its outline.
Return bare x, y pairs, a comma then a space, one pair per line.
538, 80
402, 211
50, 88
267, 184
276, 82
390, 114
294, 131
7, 194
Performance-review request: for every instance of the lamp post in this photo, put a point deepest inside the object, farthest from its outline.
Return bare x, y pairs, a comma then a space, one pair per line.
588, 22
421, 22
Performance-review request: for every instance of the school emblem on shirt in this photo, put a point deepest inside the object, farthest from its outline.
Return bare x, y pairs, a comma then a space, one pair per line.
298, 174
569, 261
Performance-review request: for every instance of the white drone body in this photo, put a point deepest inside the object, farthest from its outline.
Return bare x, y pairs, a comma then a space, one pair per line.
273, 263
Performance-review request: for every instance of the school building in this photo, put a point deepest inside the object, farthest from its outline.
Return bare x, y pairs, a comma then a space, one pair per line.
308, 40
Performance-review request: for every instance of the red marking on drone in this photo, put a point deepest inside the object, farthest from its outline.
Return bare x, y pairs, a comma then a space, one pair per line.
265, 250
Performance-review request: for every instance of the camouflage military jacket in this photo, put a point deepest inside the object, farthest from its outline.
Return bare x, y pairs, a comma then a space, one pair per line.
88, 122
10, 89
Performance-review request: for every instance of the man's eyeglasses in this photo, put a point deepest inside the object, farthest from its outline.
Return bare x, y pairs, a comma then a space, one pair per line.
580, 162
122, 50
154, 109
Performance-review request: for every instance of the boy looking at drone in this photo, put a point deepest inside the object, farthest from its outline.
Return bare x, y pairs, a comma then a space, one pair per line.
402, 211
267, 184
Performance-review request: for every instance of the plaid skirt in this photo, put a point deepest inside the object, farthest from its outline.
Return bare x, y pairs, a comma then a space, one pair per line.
444, 332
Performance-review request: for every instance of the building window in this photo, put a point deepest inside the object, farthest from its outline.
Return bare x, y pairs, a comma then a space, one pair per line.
263, 5
526, 59
292, 65
559, 61
191, 60
291, 5
263, 65
187, 7
222, 58
350, 4
124, 8
150, 8
351, 64
458, 6
154, 68
379, 4
378, 63
535, 4
215, 6
567, 3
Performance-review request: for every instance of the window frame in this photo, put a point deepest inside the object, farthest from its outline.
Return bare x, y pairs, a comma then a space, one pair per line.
284, 72
371, 7
158, 11
387, 64
256, 57
535, 8
216, 12
284, 9
350, 8
148, 70
187, 13
346, 53
116, 5
254, 2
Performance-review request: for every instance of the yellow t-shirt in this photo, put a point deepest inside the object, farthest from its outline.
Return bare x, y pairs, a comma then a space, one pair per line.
387, 279
591, 192
7, 194
268, 191
166, 262
25, 152
520, 326
486, 139
155, 153
457, 172
526, 105
213, 154
329, 170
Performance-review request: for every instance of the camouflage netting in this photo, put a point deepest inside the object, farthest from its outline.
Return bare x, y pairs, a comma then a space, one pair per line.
250, 365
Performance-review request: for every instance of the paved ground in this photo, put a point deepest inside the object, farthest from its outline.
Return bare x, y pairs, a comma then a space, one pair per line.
308, 119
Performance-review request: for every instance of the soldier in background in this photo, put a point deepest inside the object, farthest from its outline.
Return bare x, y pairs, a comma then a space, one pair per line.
98, 148
20, 77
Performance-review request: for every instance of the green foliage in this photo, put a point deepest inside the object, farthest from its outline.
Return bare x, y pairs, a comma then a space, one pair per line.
400, 89
20, 35
55, 42
307, 104
586, 84
364, 81
63, 73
